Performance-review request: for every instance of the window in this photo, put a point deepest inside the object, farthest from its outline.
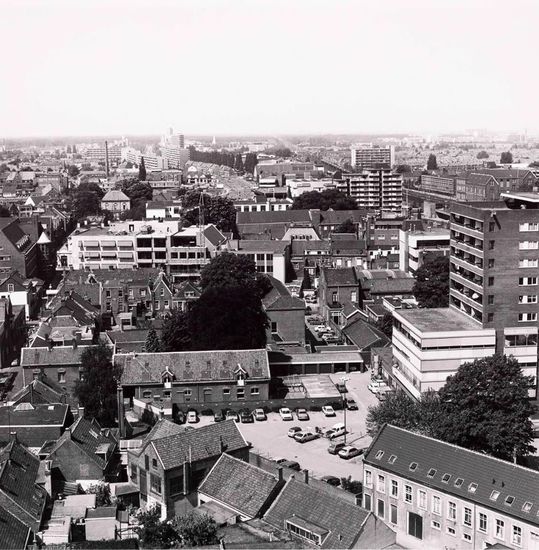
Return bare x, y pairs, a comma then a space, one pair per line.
467, 537
146, 462
436, 505
491, 245
500, 529
527, 281
528, 245
446, 478
381, 508
147, 394
255, 391
490, 317
490, 299
187, 392
413, 466
482, 522
509, 500
61, 377
367, 501
155, 484
494, 495
492, 226
368, 478
11, 287
451, 511
226, 391
392, 459
527, 299
472, 488
491, 263
273, 327
305, 533
422, 499
379, 455
528, 227
381, 486
458, 482
467, 520
415, 525
523, 317
528, 262
451, 531
240, 393
436, 524
154, 463
394, 488
526, 507
516, 538
490, 281
408, 497
431, 472
393, 514
134, 473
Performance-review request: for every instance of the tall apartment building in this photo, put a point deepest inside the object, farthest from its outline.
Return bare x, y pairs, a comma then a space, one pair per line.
414, 246
175, 156
98, 153
379, 189
368, 155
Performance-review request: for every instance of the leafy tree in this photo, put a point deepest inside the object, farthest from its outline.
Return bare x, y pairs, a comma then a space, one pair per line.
330, 198
101, 492
486, 408
74, 149
4, 212
482, 155
251, 160
152, 343
96, 392
403, 169
238, 163
195, 530
228, 269
73, 171
397, 409
154, 533
139, 192
432, 163
137, 213
219, 211
87, 200
176, 334
351, 485
431, 288
347, 226
506, 157
385, 324
142, 170
229, 317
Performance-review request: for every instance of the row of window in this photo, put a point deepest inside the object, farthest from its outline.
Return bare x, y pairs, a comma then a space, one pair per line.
207, 392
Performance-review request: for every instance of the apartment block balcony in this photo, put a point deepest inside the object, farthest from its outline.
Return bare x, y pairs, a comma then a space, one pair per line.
468, 296
471, 263
467, 279
470, 247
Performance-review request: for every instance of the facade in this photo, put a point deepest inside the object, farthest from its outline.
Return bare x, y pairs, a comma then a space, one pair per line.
12, 331
116, 201
379, 189
477, 188
371, 156
437, 495
415, 245
17, 251
443, 185
337, 288
270, 257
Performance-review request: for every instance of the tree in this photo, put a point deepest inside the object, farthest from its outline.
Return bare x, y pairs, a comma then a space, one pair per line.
229, 317
142, 170
347, 226
137, 213
195, 529
251, 160
385, 324
432, 163
176, 333
4, 212
506, 157
219, 211
87, 200
238, 163
403, 169
397, 409
330, 198
139, 192
154, 533
482, 155
486, 408
73, 171
152, 343
96, 391
431, 288
101, 492
228, 269
351, 485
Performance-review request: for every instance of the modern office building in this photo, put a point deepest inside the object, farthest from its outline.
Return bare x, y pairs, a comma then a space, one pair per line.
414, 246
379, 189
442, 185
369, 156
436, 495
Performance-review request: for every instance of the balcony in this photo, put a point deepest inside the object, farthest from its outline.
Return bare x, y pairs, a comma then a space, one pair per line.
470, 247
467, 279
469, 310
466, 295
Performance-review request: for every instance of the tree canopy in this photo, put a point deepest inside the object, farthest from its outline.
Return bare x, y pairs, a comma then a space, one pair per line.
432, 163
506, 157
385, 324
86, 200
96, 391
176, 334
73, 171
219, 211
347, 226
142, 170
139, 192
251, 160
195, 530
482, 155
152, 343
431, 288
228, 269
330, 198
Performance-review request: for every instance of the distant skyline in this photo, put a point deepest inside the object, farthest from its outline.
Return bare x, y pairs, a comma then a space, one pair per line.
267, 67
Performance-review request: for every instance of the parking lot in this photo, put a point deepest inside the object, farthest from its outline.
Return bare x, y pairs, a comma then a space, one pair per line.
269, 438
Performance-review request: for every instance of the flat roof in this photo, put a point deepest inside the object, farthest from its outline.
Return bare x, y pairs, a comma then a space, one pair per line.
521, 196
438, 319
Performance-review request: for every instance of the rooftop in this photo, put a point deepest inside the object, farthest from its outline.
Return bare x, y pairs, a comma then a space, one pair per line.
439, 319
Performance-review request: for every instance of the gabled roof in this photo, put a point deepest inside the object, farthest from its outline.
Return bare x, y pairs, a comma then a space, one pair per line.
480, 179
239, 485
79, 308
273, 217
39, 415
115, 195
213, 235
192, 366
364, 335
279, 298
338, 521
162, 428
58, 355
39, 392
186, 286
342, 276
14, 534
479, 475
336, 217
200, 444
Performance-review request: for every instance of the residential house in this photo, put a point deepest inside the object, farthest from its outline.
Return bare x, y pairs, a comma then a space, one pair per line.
375, 284
115, 201
436, 495
365, 337
477, 188
40, 391
307, 257
185, 294
271, 225
85, 453
324, 519
127, 341
337, 286
347, 251
163, 293
17, 250
329, 221
172, 462
244, 489
12, 331
161, 383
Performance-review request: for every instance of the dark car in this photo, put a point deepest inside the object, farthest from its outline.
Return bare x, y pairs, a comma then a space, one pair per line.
232, 415
351, 405
246, 417
179, 417
335, 447
218, 416
331, 480
289, 464
341, 387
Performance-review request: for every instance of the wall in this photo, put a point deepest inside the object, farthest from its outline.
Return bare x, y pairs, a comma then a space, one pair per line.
72, 464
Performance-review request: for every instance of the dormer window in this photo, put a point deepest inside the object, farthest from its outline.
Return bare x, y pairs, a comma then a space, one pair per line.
241, 374
167, 376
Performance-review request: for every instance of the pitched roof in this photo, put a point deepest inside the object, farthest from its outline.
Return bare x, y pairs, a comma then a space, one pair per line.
200, 444
39, 392
239, 485
273, 217
14, 534
115, 195
26, 415
363, 335
488, 474
192, 366
343, 276
479, 179
57, 355
338, 521
279, 298
213, 235
162, 428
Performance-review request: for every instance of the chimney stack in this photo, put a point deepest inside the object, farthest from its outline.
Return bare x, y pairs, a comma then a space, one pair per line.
280, 473
186, 477
306, 476
107, 158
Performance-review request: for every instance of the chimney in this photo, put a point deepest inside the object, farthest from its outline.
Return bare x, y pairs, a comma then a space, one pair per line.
107, 158
186, 477
121, 414
280, 473
13, 436
75, 343
306, 476
81, 412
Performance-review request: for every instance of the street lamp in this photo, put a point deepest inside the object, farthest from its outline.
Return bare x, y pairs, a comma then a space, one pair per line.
344, 379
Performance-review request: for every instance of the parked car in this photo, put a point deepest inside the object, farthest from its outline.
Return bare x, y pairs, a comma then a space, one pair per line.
246, 417
304, 436
384, 393
341, 386
302, 414
331, 480
192, 417
375, 385
322, 329
337, 430
218, 416
335, 447
351, 405
328, 410
289, 464
329, 336
286, 413
293, 431
260, 415
349, 452
179, 417
232, 415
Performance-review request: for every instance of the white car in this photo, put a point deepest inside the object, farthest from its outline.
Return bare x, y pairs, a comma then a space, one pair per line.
192, 417
336, 431
286, 413
377, 386
350, 452
328, 410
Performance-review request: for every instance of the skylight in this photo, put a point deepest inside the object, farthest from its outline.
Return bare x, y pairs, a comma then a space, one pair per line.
431, 473
392, 459
472, 487
527, 506
413, 466
379, 455
458, 482
446, 478
494, 495
509, 500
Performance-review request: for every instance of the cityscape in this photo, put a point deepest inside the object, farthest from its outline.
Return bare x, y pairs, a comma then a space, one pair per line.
269, 275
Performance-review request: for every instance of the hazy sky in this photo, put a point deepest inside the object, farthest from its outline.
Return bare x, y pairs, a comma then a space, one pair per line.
267, 66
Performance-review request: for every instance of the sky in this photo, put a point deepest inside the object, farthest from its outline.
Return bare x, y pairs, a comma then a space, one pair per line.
78, 67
